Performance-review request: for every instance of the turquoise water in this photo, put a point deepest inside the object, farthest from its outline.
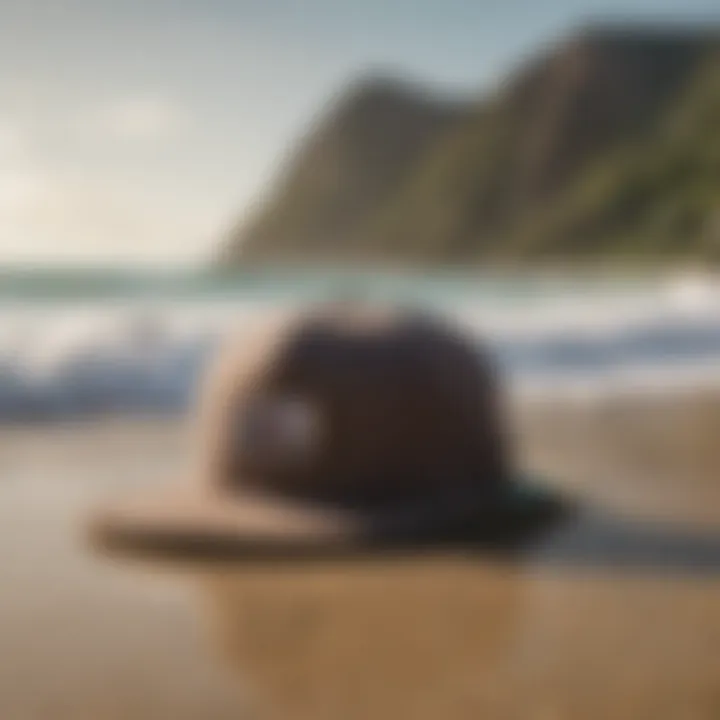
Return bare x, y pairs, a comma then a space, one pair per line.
42, 284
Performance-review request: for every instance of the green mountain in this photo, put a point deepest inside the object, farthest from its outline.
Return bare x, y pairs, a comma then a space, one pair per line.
604, 146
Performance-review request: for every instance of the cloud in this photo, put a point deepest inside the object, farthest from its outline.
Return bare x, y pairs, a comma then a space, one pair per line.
141, 117
43, 212
13, 142
52, 209
21, 182
20, 193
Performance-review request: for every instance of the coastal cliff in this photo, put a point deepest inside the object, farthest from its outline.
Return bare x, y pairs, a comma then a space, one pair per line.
604, 145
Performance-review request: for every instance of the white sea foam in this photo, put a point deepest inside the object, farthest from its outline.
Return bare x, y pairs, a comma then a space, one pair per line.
60, 360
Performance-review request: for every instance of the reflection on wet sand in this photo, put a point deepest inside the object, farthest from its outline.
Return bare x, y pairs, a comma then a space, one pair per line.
411, 640
560, 631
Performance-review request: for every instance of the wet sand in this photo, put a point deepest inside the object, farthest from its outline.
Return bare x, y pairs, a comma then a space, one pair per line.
615, 613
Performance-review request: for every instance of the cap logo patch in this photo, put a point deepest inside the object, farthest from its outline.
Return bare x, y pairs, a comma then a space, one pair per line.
279, 430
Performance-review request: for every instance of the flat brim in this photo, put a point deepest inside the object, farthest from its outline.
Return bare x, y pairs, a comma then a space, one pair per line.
190, 520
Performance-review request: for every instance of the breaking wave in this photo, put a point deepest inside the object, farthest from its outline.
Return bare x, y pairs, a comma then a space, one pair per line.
125, 352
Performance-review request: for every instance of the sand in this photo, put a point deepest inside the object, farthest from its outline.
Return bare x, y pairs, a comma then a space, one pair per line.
613, 615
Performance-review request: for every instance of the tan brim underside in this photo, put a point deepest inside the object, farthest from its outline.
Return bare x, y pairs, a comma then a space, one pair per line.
202, 518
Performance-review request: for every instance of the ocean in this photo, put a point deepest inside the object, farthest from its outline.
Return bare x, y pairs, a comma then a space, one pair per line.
78, 342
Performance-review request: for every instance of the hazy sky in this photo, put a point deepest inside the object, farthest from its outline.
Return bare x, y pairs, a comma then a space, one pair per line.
139, 130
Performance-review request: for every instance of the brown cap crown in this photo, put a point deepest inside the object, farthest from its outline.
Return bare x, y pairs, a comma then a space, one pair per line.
353, 404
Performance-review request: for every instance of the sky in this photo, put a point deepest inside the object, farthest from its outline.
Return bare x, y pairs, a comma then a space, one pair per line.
141, 131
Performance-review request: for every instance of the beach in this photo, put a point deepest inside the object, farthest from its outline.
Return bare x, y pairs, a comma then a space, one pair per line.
615, 613
474, 223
